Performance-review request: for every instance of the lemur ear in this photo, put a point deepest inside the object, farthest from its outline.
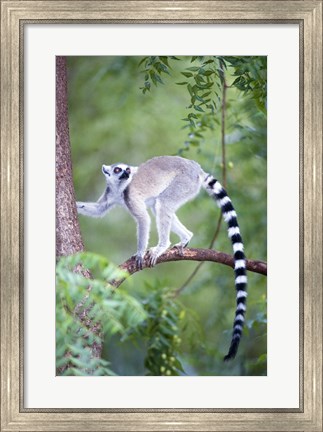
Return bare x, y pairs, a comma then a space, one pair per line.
106, 169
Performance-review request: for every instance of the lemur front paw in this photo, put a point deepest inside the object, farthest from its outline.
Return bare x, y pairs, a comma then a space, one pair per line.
79, 205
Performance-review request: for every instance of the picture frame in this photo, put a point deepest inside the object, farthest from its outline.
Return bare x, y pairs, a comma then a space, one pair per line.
14, 15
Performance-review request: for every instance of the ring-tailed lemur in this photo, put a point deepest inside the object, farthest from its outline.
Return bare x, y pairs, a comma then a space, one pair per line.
164, 184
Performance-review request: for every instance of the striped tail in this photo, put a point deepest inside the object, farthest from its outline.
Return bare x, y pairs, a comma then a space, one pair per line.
216, 191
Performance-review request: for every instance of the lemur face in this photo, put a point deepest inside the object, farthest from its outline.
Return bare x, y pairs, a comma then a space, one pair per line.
119, 174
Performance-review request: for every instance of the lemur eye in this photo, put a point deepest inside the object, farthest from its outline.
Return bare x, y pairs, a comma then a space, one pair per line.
128, 170
117, 170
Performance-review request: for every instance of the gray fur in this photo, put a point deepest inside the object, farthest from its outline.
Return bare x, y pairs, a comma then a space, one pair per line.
164, 184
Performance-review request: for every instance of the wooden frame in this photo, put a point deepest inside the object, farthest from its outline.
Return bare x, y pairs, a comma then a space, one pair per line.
14, 417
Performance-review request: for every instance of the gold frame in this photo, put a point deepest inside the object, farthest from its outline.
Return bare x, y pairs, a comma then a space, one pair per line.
308, 14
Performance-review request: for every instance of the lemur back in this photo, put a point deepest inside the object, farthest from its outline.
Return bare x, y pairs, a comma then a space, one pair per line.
164, 184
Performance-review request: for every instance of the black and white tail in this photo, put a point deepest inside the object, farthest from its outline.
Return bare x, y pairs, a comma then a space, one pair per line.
216, 191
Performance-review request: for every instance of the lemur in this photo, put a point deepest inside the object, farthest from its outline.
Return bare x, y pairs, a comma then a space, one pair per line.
164, 184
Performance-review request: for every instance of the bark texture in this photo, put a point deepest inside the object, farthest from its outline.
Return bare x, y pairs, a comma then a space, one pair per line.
68, 235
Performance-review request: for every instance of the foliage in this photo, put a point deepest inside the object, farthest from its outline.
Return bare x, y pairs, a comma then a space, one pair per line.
155, 66
154, 318
251, 73
112, 120
115, 312
205, 82
161, 331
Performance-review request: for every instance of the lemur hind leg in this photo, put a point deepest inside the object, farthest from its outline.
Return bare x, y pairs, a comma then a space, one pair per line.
164, 218
177, 228
141, 215
169, 201
183, 233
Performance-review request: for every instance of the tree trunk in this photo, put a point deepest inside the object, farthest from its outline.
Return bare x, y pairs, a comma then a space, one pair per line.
68, 234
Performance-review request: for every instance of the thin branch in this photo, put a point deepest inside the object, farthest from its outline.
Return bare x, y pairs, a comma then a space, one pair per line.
223, 113
224, 182
197, 268
190, 254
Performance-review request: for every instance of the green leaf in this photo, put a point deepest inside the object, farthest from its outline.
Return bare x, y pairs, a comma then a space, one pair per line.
208, 62
200, 99
190, 89
142, 61
198, 108
193, 68
154, 77
199, 80
187, 74
164, 59
158, 78
204, 86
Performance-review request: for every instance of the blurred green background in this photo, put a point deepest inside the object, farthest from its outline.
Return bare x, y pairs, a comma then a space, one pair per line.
111, 120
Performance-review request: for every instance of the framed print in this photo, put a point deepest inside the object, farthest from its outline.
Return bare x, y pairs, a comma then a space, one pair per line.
91, 90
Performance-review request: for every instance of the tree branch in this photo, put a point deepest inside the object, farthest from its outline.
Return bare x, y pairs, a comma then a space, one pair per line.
191, 254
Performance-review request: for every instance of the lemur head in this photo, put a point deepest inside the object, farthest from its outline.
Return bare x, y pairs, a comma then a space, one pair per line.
118, 175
